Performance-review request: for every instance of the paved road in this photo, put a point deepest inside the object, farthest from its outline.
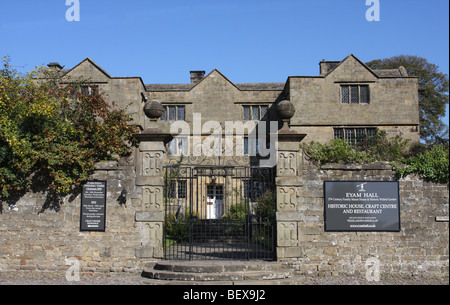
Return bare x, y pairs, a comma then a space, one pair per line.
35, 278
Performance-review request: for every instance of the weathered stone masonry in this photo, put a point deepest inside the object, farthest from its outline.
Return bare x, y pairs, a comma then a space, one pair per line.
420, 248
42, 242
33, 241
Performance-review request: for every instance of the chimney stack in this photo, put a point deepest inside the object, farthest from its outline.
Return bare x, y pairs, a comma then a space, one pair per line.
327, 66
197, 76
55, 66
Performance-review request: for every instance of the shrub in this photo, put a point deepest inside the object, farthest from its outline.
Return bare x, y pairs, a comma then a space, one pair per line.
52, 134
431, 165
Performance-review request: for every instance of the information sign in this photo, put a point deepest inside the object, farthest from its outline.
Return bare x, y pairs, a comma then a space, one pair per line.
93, 206
361, 206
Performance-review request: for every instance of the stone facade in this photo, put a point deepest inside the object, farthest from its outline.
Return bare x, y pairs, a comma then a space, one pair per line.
320, 112
420, 248
43, 242
30, 240
317, 99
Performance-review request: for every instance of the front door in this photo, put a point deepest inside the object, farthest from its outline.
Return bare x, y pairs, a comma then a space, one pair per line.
214, 201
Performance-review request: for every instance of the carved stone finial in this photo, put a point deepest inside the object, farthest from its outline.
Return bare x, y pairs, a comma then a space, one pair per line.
286, 111
153, 110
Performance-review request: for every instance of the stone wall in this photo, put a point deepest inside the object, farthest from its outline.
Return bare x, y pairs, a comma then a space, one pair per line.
42, 242
421, 248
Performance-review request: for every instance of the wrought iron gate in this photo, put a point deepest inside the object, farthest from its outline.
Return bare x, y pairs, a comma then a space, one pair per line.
219, 213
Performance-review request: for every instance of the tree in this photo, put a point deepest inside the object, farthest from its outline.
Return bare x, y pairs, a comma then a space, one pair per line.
52, 134
433, 93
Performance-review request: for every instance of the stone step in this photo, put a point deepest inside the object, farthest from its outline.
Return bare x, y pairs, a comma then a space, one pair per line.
295, 280
218, 266
217, 271
219, 276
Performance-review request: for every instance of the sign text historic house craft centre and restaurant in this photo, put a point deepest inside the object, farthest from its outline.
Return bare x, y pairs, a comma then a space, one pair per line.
361, 206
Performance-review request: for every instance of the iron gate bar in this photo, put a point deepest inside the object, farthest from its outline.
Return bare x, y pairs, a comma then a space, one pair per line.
226, 214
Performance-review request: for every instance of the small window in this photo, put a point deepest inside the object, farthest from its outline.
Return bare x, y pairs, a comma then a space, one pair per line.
251, 146
247, 110
173, 113
345, 95
177, 189
182, 189
90, 90
178, 146
256, 113
355, 135
355, 94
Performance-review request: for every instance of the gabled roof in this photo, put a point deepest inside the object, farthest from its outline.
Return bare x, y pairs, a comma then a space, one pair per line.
101, 70
357, 59
87, 59
210, 74
241, 87
400, 72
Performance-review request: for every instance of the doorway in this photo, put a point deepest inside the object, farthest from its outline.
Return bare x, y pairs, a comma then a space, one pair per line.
214, 201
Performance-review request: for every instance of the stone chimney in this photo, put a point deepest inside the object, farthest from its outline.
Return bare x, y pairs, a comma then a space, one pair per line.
197, 76
55, 66
327, 66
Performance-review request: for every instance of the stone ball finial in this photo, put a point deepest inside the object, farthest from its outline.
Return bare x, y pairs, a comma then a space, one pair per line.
285, 110
153, 110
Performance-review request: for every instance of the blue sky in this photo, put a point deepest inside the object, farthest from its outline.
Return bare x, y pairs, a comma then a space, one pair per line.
247, 40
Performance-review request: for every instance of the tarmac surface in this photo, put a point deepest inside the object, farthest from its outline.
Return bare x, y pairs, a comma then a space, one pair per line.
48, 278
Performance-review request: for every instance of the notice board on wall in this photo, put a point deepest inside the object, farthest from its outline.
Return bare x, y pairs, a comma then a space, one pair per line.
93, 206
362, 206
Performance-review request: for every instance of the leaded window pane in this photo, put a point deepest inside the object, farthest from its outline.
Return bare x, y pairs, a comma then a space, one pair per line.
264, 112
345, 94
371, 132
350, 135
339, 134
247, 113
172, 113
245, 146
364, 94
172, 189
255, 113
172, 148
182, 146
360, 135
182, 189
180, 116
210, 191
164, 115
219, 192
354, 94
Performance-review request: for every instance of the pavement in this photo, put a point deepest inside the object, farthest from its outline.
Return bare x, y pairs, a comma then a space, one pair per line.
133, 279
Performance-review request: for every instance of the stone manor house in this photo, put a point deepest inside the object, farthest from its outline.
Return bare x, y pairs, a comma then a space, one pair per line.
347, 100
168, 200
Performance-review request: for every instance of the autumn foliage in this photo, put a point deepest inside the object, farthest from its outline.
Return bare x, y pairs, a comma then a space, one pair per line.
53, 133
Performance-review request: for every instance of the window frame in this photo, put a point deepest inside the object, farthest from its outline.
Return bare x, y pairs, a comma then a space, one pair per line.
251, 112
353, 135
166, 114
348, 95
177, 150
